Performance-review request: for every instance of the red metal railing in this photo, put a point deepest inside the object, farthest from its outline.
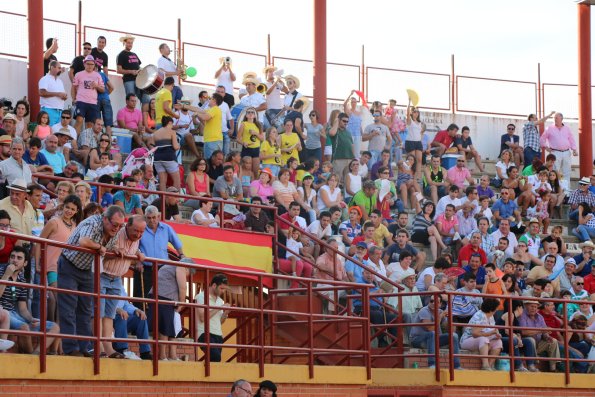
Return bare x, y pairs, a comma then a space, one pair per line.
263, 313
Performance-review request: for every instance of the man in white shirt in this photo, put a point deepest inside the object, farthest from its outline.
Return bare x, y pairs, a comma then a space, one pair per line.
291, 93
52, 93
225, 77
274, 88
184, 124
321, 228
450, 198
504, 231
254, 98
217, 314
170, 69
65, 123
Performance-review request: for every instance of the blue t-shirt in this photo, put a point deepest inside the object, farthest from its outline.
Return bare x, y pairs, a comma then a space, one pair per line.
352, 232
107, 200
480, 277
506, 209
129, 206
56, 160
39, 160
102, 96
358, 271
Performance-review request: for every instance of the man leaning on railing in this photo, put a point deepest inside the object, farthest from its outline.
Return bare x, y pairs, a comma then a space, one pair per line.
75, 272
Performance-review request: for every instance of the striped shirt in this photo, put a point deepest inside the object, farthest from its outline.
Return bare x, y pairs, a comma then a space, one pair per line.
92, 228
117, 266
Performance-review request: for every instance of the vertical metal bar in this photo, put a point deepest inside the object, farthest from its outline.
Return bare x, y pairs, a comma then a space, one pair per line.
43, 292
364, 82
539, 104
366, 324
36, 49
454, 95
96, 314
261, 328
155, 271
269, 48
451, 364
437, 331
79, 28
510, 338
400, 347
319, 60
179, 43
310, 331
207, 331
585, 126
566, 344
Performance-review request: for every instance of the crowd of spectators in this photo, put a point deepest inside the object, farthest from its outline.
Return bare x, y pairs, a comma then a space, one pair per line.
382, 206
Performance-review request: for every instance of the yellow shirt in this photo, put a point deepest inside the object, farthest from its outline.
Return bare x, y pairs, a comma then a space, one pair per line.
380, 234
213, 128
288, 141
266, 150
162, 96
251, 140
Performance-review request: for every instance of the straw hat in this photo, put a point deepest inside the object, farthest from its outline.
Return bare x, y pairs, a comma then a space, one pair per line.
127, 37
11, 117
305, 100
249, 74
588, 244
585, 180
63, 131
269, 67
295, 80
250, 80
19, 185
407, 273
5, 140
185, 99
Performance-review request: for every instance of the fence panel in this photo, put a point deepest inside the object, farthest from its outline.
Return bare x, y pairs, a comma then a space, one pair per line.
14, 37
146, 47
384, 84
563, 98
495, 96
206, 61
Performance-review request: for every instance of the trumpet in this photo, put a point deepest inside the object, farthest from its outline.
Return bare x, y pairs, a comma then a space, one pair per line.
181, 68
261, 88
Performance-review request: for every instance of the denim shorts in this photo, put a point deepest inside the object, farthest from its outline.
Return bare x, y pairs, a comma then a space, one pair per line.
167, 166
87, 111
54, 114
17, 321
105, 108
109, 286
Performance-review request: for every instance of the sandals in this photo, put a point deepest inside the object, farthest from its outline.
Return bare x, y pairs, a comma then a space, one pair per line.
117, 355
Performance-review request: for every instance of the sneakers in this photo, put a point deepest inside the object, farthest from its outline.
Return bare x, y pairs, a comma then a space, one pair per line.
130, 355
5, 345
146, 356
522, 369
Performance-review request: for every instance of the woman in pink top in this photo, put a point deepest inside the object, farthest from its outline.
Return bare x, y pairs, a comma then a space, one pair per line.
58, 229
43, 129
198, 180
262, 186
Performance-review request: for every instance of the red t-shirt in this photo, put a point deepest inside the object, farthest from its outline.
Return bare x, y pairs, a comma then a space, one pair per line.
590, 283
285, 226
465, 254
362, 238
9, 244
443, 138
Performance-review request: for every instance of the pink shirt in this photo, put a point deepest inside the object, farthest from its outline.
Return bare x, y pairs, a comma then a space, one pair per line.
117, 267
458, 175
131, 118
558, 138
84, 92
444, 225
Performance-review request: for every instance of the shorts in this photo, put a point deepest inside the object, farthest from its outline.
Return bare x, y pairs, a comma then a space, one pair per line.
167, 166
52, 277
410, 146
106, 111
86, 110
165, 317
421, 237
328, 150
17, 321
251, 152
109, 286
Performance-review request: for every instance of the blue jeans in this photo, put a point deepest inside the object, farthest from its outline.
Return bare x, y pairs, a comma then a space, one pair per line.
130, 88
226, 141
215, 351
584, 232
176, 94
375, 156
312, 154
210, 147
529, 155
426, 341
395, 152
74, 311
528, 350
573, 215
133, 325
109, 286
577, 366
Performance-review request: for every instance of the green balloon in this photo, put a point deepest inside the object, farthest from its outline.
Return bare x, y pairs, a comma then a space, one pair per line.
191, 71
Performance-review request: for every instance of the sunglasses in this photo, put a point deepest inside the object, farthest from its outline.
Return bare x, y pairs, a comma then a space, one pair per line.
345, 120
250, 112
87, 48
460, 161
4, 225
104, 140
66, 117
580, 283
510, 129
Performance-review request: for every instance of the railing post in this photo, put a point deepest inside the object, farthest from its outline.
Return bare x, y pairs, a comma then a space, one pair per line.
437, 332
43, 307
566, 343
79, 27
310, 331
451, 365
155, 298
268, 48
364, 83
96, 313
261, 338
510, 338
454, 95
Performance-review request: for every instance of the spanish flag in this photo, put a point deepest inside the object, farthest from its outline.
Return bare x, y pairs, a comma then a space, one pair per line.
226, 248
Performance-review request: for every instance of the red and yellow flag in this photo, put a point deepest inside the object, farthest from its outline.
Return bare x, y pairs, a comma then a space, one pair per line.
226, 248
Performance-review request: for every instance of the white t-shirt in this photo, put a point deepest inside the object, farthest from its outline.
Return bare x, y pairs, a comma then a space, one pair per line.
289, 98
225, 116
224, 79
184, 119
503, 168
443, 202
331, 196
202, 217
254, 100
215, 320
315, 229
274, 100
421, 286
56, 127
414, 131
51, 84
169, 66
310, 197
294, 246
512, 242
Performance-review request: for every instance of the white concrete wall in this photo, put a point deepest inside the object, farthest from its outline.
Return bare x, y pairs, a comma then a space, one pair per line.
485, 130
